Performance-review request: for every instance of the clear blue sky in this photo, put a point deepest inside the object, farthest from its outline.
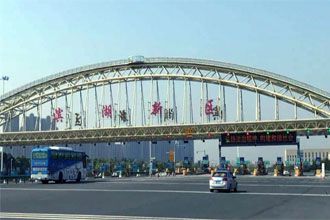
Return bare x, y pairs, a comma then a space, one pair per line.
39, 38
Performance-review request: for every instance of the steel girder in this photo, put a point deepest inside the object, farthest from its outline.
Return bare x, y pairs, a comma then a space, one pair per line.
49, 88
180, 132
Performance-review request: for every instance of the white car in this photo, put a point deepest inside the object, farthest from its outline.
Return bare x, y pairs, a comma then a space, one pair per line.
223, 179
286, 173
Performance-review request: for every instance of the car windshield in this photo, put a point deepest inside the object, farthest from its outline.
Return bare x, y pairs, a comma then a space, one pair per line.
222, 174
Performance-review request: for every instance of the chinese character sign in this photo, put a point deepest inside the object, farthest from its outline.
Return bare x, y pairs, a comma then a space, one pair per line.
123, 115
216, 111
209, 107
107, 111
78, 120
156, 108
58, 115
168, 114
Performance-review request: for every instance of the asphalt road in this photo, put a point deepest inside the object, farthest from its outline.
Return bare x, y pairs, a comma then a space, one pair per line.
168, 198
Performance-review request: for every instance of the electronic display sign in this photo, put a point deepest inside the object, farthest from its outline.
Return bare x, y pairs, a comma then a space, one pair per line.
262, 138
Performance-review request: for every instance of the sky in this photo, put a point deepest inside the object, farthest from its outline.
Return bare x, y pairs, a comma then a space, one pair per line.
40, 38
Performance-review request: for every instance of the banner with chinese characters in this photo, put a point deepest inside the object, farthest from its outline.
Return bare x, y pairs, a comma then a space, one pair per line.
168, 114
123, 115
107, 111
57, 115
257, 139
78, 121
211, 110
156, 108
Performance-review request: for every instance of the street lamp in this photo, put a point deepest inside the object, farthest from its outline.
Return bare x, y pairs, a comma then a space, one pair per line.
1, 169
150, 159
176, 144
11, 166
4, 78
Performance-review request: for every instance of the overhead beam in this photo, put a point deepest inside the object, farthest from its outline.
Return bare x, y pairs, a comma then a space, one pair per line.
182, 132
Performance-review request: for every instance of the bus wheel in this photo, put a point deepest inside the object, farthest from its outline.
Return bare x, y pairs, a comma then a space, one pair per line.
78, 178
60, 178
44, 181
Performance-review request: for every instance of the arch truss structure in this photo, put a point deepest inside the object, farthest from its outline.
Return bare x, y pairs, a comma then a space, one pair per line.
159, 99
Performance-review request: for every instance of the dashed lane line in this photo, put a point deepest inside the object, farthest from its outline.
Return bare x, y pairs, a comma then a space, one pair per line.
203, 184
167, 191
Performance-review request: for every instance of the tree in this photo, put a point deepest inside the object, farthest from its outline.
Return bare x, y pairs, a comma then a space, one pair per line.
160, 166
23, 164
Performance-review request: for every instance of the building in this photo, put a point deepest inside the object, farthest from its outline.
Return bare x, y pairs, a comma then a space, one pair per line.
31, 124
129, 150
139, 150
308, 155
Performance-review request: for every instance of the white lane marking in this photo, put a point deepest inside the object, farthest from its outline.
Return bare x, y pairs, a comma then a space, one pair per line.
286, 185
167, 191
203, 184
15, 215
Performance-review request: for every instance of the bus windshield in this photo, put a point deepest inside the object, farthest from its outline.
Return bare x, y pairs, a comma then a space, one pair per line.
39, 155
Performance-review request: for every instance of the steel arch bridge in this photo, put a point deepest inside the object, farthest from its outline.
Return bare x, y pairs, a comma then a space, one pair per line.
141, 98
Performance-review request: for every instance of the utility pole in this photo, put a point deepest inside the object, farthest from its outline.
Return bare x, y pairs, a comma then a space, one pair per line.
4, 78
1, 150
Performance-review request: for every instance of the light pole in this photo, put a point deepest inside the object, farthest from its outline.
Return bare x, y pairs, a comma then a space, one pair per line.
11, 166
151, 159
4, 78
175, 143
1, 169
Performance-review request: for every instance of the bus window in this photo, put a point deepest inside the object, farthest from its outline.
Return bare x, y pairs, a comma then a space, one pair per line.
54, 155
39, 155
67, 155
74, 155
60, 155
79, 156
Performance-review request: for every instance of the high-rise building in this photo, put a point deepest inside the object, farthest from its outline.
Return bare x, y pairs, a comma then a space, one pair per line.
31, 124
129, 150
138, 150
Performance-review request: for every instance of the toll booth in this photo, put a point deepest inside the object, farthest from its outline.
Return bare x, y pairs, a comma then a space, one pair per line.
135, 169
298, 167
242, 169
205, 164
223, 164
186, 162
118, 171
279, 167
261, 169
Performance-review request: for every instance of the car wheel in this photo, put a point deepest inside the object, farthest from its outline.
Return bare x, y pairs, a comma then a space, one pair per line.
78, 178
60, 178
44, 181
211, 190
